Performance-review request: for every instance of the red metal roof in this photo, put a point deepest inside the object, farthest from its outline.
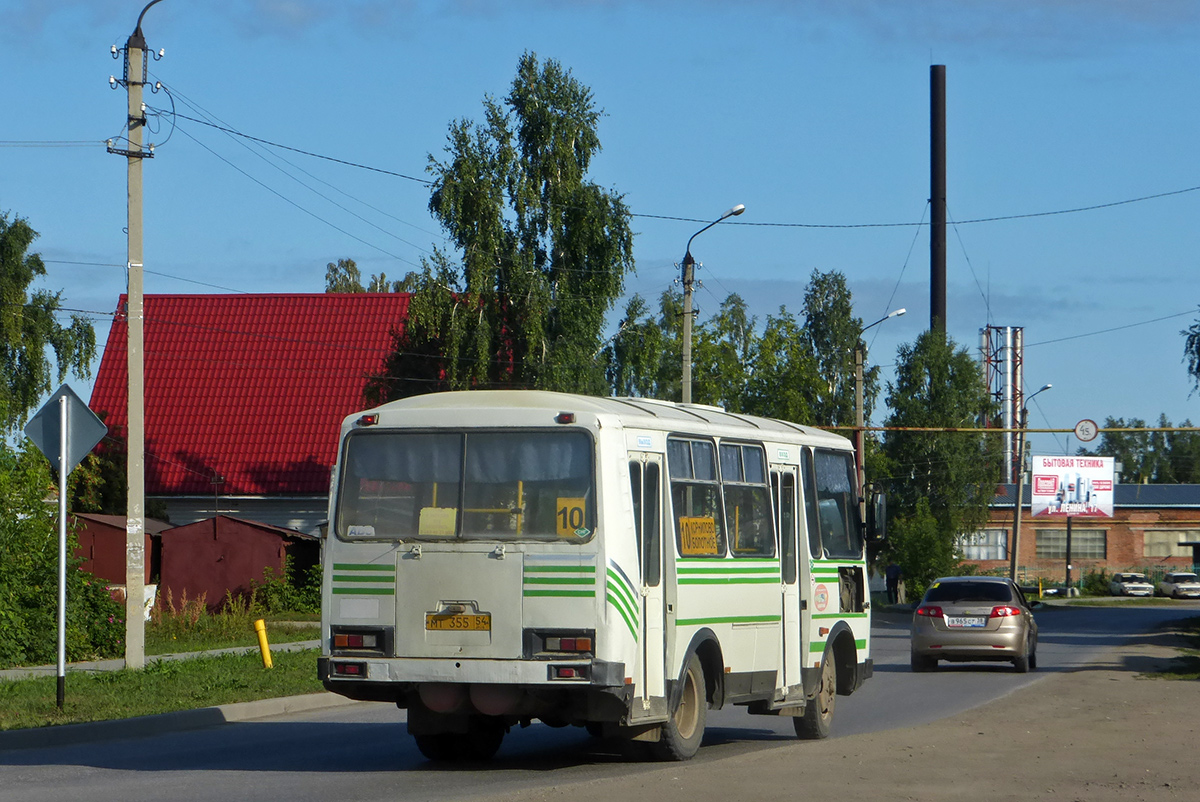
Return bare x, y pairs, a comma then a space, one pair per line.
252, 388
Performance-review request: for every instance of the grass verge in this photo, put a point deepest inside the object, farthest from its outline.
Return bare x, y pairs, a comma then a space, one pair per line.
163, 686
160, 640
1187, 664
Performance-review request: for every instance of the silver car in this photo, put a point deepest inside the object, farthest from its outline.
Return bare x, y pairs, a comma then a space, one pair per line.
1180, 585
974, 618
1130, 584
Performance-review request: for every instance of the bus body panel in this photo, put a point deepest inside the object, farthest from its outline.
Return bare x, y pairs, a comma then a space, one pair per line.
459, 620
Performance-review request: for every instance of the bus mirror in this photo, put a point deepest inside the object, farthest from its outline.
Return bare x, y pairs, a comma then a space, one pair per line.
877, 517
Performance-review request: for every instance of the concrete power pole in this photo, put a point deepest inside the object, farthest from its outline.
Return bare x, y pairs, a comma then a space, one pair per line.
135, 522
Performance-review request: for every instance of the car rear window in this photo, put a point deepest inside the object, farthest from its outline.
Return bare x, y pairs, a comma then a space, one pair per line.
969, 592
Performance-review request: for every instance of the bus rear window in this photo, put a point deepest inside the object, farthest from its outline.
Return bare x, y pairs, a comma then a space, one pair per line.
526, 485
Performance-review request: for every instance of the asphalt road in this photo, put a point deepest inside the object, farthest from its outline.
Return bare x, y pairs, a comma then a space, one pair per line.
362, 752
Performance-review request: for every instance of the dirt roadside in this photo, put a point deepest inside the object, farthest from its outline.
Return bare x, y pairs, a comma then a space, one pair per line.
1096, 734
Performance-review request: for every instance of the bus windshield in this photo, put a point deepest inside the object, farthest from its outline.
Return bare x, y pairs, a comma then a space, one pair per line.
508, 486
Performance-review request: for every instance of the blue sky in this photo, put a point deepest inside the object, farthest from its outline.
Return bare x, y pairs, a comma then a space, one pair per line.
810, 113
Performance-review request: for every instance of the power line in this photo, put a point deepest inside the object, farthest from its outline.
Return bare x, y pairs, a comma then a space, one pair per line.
1114, 328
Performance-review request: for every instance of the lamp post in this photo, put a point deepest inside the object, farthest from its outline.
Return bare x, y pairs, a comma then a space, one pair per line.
689, 271
1020, 477
859, 356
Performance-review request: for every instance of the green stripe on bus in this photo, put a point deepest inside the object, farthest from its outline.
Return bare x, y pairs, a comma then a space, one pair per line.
391, 580
814, 648
364, 591
617, 595
545, 569
621, 589
364, 567
729, 571
732, 619
562, 593
841, 615
630, 614
729, 580
624, 616
560, 580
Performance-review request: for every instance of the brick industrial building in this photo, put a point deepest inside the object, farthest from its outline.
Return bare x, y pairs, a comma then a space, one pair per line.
1152, 529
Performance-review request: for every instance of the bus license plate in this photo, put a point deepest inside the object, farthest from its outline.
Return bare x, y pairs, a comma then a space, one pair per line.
460, 622
966, 621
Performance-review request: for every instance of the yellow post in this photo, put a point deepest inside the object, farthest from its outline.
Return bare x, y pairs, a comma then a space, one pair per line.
260, 627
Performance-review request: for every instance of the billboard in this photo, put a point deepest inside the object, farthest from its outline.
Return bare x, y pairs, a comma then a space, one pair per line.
1072, 486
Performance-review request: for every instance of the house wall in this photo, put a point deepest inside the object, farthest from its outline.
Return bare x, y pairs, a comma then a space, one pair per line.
1125, 542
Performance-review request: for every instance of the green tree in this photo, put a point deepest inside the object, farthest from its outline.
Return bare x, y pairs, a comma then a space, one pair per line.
938, 385
783, 378
1191, 352
343, 276
1154, 457
921, 549
645, 356
29, 329
543, 250
1183, 456
721, 356
831, 333
29, 573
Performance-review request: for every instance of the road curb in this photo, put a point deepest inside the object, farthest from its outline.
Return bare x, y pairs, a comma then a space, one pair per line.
143, 726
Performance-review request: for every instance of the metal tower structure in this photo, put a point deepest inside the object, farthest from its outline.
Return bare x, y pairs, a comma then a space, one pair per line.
1003, 356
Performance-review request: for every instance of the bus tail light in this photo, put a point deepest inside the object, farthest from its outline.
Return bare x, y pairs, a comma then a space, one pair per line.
543, 643
361, 640
353, 670
569, 672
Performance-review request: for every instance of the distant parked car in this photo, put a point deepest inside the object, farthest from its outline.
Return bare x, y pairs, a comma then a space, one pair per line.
1130, 584
1180, 585
970, 618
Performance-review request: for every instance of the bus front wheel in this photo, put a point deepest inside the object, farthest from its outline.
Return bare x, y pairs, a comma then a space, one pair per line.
818, 713
683, 732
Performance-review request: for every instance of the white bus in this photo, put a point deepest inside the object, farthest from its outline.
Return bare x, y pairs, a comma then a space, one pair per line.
623, 564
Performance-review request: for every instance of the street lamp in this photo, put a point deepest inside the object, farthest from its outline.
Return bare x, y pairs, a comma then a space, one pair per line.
689, 271
858, 405
1016, 538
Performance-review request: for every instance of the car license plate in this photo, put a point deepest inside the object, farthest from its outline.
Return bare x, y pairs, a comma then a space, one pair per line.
459, 622
966, 621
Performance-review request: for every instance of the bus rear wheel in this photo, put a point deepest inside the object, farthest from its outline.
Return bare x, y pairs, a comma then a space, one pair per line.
683, 732
818, 713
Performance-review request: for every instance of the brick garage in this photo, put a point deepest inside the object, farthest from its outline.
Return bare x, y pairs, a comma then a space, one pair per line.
1149, 524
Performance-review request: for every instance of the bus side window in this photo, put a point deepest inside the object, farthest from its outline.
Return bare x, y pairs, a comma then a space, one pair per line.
811, 519
652, 526
647, 522
787, 526
635, 485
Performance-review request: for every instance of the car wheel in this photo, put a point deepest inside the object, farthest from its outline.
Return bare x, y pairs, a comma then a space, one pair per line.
1023, 663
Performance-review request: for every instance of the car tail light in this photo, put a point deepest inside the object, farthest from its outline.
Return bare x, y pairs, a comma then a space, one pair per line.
1004, 611
930, 611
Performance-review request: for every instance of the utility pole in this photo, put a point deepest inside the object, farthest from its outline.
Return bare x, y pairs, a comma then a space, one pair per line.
937, 197
689, 277
134, 78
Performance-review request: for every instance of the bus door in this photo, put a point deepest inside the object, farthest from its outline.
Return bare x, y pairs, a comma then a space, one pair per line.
783, 489
645, 476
